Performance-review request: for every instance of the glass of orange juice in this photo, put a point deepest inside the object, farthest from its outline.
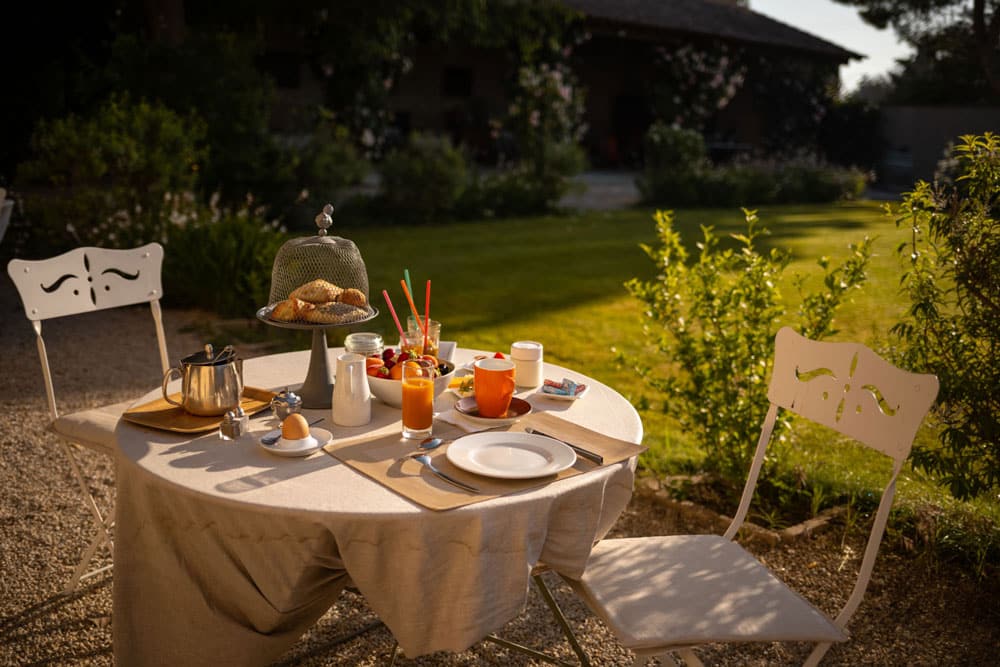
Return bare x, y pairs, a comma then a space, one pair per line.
418, 398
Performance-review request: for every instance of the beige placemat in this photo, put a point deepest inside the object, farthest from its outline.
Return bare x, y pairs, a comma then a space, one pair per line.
162, 415
378, 457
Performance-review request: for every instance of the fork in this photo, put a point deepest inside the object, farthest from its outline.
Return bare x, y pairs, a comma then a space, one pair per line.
426, 460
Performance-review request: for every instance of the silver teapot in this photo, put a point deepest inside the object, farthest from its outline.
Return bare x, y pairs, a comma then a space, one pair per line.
211, 383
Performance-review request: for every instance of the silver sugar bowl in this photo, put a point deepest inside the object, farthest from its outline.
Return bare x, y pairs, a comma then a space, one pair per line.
285, 403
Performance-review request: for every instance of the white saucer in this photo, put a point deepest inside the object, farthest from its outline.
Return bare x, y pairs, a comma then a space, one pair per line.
303, 447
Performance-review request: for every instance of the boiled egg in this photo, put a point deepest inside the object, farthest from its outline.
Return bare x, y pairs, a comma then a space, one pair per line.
295, 427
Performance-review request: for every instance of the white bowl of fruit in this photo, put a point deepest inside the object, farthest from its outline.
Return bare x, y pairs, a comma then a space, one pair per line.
385, 375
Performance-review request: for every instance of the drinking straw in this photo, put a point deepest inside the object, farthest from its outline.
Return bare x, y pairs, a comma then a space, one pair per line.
413, 306
406, 276
427, 314
402, 336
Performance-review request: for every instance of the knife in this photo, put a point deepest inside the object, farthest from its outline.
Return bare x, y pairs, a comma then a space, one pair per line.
585, 453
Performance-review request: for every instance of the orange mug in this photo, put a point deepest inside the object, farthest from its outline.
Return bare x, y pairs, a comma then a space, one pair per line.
494, 386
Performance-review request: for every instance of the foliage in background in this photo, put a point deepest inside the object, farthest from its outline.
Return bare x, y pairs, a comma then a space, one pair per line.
215, 74
952, 327
219, 259
678, 173
711, 324
518, 189
674, 160
102, 179
956, 43
851, 135
321, 168
798, 93
693, 83
423, 179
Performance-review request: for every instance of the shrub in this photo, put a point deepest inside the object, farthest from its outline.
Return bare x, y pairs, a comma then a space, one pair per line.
423, 179
102, 179
518, 190
677, 173
714, 323
215, 73
673, 161
952, 326
218, 259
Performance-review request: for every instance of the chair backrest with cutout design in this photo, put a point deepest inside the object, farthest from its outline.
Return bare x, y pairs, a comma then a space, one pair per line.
89, 279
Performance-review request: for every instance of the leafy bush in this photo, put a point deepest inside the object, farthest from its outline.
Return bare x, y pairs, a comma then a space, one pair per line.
215, 73
423, 179
677, 173
714, 321
518, 190
220, 260
952, 327
320, 171
674, 160
103, 179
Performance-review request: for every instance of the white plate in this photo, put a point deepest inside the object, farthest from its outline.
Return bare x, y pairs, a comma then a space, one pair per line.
564, 397
510, 455
303, 447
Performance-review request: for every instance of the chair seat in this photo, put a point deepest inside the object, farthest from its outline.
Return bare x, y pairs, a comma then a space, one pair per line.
94, 428
683, 590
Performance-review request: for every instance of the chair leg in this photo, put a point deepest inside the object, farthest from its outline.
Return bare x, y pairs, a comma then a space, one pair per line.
102, 525
563, 623
561, 619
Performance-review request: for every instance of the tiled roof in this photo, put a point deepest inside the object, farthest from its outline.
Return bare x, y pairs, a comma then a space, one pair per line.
705, 17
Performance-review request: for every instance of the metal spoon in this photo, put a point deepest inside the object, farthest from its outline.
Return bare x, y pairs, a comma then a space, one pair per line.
426, 460
271, 439
425, 446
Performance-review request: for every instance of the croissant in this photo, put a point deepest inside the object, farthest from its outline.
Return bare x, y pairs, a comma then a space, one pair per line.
291, 309
317, 291
355, 297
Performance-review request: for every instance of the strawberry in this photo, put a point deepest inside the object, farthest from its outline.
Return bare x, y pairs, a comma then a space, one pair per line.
499, 355
383, 372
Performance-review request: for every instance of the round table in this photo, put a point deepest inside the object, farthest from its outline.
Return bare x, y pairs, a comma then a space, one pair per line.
227, 553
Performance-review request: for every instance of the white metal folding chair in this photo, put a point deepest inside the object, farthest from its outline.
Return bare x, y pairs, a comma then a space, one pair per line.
670, 593
80, 281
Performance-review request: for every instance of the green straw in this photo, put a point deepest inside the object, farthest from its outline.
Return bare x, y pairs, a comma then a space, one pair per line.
409, 286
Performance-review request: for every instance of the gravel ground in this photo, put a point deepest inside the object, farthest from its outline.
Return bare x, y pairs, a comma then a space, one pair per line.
915, 613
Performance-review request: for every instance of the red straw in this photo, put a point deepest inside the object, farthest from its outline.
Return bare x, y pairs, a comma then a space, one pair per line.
427, 314
413, 306
402, 336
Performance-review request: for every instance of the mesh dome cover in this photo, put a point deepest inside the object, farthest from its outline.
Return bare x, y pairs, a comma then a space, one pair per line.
305, 259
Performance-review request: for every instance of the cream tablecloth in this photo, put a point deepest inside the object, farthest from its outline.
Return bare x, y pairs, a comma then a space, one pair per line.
226, 554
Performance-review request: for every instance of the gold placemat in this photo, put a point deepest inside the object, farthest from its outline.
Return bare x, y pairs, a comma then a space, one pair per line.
378, 457
162, 415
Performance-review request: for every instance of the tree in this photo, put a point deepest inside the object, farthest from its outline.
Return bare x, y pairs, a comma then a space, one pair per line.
957, 46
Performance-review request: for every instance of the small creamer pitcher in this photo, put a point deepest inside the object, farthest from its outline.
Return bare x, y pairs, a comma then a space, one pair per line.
352, 404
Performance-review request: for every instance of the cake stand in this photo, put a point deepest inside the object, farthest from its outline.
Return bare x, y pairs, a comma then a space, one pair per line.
317, 389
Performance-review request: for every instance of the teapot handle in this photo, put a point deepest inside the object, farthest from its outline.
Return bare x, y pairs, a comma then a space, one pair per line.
166, 380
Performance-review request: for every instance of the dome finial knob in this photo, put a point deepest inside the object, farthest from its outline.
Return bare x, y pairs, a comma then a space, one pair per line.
325, 219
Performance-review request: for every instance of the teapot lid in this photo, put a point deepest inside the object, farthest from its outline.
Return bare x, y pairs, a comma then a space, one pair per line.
209, 357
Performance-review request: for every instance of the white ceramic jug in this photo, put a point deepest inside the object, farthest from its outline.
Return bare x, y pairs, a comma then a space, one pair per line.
352, 404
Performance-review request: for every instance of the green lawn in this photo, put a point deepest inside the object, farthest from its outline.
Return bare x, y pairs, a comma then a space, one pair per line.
559, 280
